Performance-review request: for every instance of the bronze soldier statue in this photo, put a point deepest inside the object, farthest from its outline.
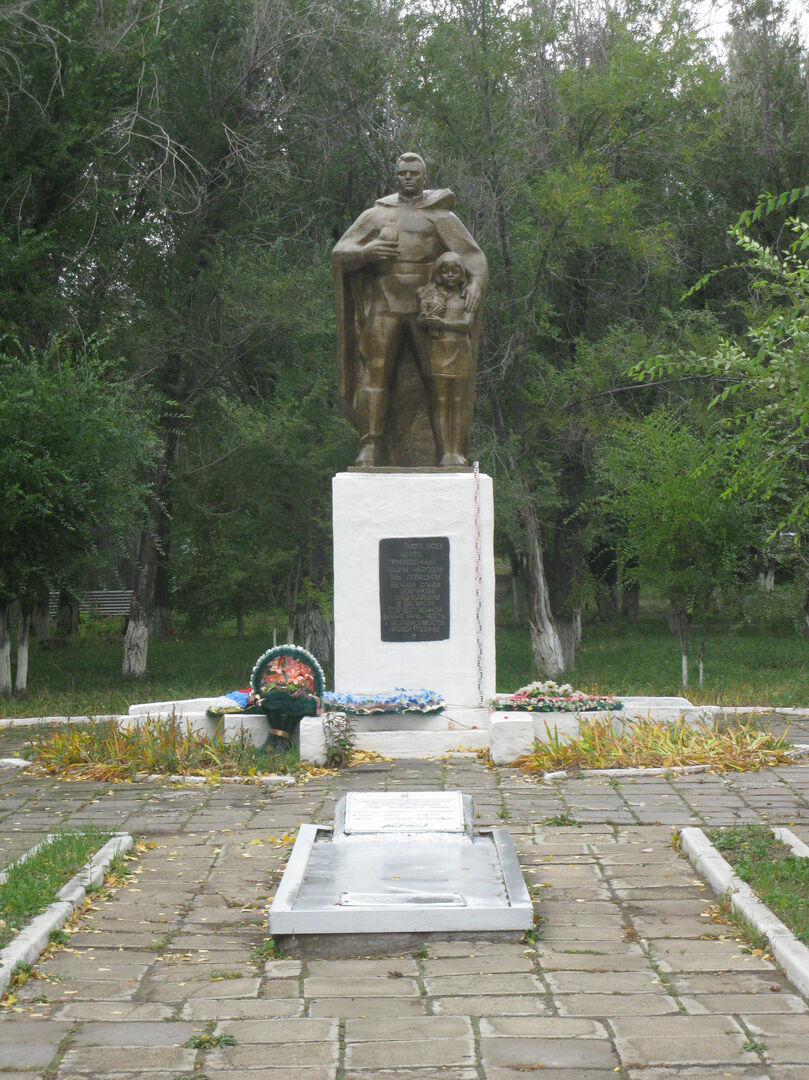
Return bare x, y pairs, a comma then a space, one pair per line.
381, 263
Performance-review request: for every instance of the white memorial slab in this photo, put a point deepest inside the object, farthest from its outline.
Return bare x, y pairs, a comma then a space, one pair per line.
403, 812
398, 864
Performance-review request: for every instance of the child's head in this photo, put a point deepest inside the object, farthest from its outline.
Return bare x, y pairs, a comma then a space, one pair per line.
449, 271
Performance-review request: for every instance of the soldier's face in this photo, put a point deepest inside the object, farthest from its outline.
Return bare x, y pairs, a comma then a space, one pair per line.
409, 178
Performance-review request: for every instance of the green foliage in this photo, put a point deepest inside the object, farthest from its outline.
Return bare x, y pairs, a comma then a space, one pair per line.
32, 885
341, 740
759, 383
666, 510
73, 457
778, 878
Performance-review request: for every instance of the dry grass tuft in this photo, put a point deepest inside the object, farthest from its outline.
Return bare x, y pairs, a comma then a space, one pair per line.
657, 744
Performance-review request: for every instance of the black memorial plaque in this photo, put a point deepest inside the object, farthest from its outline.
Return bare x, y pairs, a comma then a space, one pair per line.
414, 588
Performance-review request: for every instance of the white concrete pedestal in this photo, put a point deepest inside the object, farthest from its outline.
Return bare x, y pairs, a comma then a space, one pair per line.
513, 734
374, 505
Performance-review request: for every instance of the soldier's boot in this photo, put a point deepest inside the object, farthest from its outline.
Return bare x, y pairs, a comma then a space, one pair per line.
370, 419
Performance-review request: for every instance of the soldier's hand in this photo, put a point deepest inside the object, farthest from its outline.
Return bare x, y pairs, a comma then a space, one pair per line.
472, 301
381, 251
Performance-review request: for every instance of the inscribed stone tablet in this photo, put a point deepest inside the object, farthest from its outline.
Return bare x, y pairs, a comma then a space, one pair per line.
406, 811
414, 588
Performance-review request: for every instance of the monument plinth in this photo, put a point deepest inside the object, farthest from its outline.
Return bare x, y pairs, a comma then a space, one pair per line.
414, 583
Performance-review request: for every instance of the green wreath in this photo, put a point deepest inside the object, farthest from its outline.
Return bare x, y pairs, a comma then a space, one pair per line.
286, 704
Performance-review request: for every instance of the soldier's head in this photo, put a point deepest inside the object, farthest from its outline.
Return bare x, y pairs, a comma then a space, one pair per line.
411, 173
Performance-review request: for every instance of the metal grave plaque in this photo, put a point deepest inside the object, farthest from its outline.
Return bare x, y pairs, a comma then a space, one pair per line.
404, 811
398, 864
414, 588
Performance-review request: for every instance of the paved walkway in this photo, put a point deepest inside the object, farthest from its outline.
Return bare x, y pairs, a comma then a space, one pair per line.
630, 978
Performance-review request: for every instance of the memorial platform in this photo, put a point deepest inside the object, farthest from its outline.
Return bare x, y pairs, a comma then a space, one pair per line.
396, 865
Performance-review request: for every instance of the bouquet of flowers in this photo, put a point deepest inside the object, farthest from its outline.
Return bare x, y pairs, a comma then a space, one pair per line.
287, 673
551, 697
287, 683
393, 701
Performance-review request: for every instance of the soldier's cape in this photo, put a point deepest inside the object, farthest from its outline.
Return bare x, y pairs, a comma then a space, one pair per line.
350, 290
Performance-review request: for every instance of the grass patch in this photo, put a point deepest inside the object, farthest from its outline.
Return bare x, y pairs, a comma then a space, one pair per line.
168, 747
778, 878
32, 885
754, 656
654, 744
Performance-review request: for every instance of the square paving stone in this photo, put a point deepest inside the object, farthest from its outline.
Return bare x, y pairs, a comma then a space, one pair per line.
518, 983
225, 988
748, 1005
407, 1028
283, 1072
550, 1053
365, 1008
483, 1005
780, 1024
241, 1009
601, 982
135, 1033
401, 1054
26, 1054
106, 1059
611, 1005
546, 1027
297, 1029
113, 1010
375, 987
279, 1056
686, 955
591, 960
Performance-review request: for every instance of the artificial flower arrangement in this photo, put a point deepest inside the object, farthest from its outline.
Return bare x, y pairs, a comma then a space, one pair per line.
551, 697
287, 681
395, 701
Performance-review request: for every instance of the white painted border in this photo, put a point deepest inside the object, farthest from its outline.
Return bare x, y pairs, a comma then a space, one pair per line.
26, 946
791, 954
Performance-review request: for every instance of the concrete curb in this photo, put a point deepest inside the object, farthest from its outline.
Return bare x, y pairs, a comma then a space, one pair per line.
798, 751
270, 780
33, 938
33, 721
791, 954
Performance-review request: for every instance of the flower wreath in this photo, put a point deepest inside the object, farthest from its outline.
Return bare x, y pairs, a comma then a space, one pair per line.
287, 680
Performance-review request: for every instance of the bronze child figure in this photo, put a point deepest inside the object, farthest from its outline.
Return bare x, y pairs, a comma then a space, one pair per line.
448, 325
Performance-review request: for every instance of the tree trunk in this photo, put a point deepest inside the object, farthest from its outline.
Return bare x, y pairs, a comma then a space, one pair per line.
23, 638
315, 633
67, 614
136, 644
546, 644
517, 592
606, 601
41, 619
569, 630
136, 636
239, 622
630, 602
768, 578
5, 650
682, 633
162, 510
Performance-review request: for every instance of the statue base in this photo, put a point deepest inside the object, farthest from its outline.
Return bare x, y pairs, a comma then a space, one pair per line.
414, 583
